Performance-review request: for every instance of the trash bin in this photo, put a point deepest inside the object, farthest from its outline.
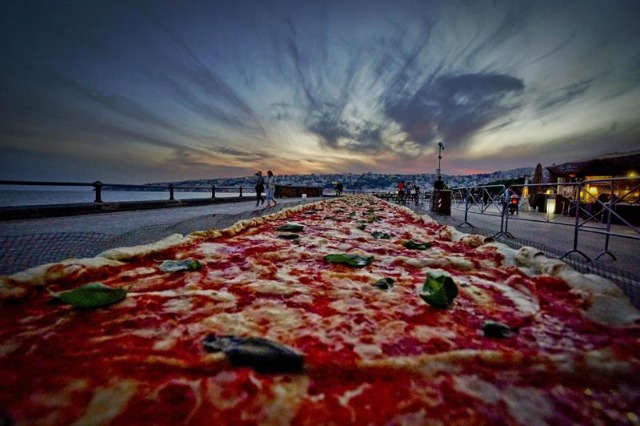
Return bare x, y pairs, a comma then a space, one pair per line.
442, 202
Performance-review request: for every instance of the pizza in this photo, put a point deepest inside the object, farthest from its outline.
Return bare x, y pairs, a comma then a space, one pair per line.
350, 310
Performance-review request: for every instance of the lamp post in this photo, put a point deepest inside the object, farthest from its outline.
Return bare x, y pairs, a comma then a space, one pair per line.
438, 202
440, 149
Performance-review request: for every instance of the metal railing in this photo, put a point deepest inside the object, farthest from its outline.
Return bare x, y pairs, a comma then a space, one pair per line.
544, 199
99, 187
485, 199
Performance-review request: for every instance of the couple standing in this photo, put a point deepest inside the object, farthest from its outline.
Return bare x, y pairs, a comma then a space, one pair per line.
270, 185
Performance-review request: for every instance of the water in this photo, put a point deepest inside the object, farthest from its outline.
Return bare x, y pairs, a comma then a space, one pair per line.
31, 197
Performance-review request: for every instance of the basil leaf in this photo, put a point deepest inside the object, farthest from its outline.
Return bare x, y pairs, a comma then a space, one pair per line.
349, 259
384, 283
263, 355
352, 214
439, 290
415, 245
290, 227
498, 330
381, 235
92, 295
180, 265
289, 236
361, 227
373, 218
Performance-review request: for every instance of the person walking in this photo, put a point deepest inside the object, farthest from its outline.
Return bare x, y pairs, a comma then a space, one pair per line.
400, 192
259, 188
416, 194
271, 189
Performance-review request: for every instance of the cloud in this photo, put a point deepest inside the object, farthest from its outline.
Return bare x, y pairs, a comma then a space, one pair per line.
280, 111
620, 137
243, 155
563, 96
200, 99
452, 108
325, 97
413, 95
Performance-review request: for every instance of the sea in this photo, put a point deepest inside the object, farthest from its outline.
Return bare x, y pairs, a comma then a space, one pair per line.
52, 195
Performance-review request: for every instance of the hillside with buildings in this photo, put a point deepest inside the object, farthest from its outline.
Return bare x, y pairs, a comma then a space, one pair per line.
364, 181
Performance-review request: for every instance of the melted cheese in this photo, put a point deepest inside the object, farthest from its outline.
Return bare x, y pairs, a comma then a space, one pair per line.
526, 405
107, 404
281, 409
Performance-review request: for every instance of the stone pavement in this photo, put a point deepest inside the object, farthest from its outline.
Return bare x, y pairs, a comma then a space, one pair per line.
32, 242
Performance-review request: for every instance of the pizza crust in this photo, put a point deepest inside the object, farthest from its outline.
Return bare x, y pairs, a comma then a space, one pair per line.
19, 284
125, 253
608, 303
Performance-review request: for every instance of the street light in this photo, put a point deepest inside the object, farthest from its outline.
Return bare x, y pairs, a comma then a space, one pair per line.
440, 149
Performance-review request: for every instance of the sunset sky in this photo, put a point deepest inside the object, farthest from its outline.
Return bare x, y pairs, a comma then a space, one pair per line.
132, 91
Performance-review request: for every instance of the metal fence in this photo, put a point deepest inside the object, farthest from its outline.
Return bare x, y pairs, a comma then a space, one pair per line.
588, 213
619, 203
574, 205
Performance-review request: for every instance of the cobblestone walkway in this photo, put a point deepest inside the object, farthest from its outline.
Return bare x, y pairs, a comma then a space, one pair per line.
20, 252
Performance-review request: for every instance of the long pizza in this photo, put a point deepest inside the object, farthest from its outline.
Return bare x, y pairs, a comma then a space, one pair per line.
344, 311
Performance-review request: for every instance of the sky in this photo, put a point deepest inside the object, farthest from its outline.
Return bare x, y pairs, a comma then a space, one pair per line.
127, 91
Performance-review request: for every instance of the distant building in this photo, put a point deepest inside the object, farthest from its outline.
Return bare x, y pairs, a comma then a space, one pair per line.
604, 167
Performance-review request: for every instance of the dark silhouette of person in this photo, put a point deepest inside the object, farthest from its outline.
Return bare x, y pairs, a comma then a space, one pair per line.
400, 187
438, 184
259, 188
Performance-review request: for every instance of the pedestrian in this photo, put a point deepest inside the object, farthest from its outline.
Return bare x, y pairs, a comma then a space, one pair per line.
439, 184
416, 194
400, 190
514, 202
271, 189
259, 188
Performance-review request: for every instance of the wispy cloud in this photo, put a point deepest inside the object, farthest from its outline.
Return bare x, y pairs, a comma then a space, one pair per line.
563, 96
